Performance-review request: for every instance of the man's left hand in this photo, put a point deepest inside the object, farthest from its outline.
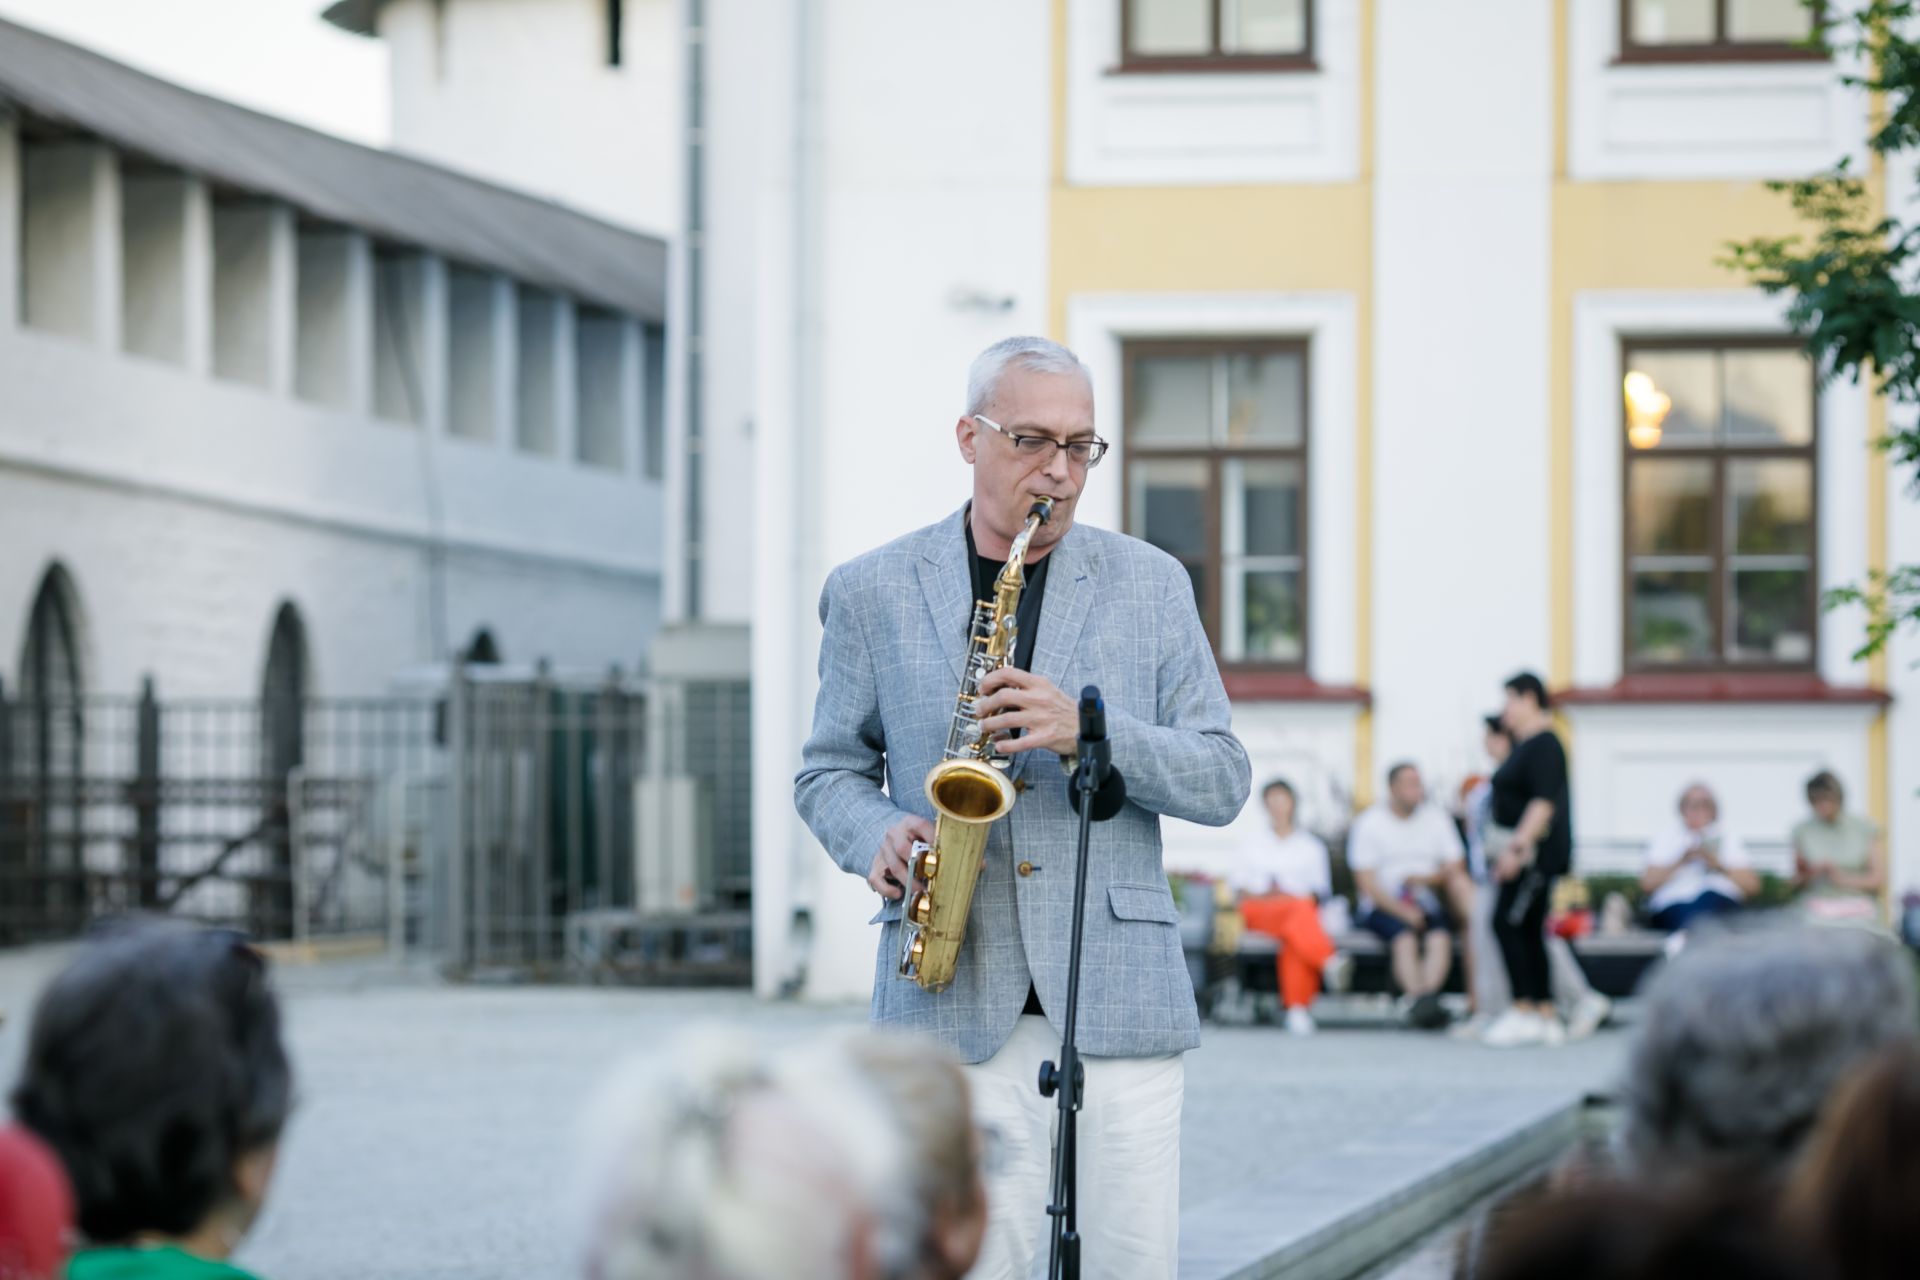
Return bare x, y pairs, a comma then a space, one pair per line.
1014, 699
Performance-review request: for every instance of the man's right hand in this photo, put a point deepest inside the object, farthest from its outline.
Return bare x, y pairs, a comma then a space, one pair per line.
888, 876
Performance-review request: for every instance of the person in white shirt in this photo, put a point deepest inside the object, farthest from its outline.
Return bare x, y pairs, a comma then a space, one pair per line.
1283, 875
1695, 869
1409, 864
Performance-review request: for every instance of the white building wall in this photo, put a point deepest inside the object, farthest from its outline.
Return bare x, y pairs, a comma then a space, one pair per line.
519, 91
942, 192
186, 591
1460, 397
1701, 120
1286, 126
748, 59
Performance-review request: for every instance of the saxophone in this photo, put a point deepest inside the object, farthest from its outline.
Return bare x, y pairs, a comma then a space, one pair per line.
969, 789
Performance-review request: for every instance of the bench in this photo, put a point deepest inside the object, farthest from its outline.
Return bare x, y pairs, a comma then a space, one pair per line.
1615, 964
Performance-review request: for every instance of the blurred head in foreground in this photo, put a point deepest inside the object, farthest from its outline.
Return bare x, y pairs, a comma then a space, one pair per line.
1744, 1038
1616, 1232
850, 1158
1858, 1183
155, 1072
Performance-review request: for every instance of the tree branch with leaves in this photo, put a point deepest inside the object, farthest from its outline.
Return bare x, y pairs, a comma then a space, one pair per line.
1851, 280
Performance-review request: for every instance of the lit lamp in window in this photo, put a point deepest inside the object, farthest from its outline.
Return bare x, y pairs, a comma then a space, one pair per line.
1647, 408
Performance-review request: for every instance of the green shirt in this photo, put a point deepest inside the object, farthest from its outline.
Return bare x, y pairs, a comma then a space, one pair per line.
1847, 843
148, 1264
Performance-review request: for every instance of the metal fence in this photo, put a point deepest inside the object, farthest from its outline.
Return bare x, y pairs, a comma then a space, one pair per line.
506, 825
218, 809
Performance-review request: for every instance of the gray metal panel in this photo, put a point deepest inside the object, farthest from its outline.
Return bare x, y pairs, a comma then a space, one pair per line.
386, 195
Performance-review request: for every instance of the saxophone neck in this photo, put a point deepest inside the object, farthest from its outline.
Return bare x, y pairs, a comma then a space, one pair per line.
1014, 573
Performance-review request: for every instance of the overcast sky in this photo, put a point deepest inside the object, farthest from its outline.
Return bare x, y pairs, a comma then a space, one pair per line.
272, 55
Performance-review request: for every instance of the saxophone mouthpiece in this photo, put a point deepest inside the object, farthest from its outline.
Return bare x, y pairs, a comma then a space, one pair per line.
1042, 508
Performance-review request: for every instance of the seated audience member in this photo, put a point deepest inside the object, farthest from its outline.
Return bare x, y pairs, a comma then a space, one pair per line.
1742, 1039
1283, 875
155, 1071
1489, 992
720, 1161
1855, 1189
1839, 858
1694, 868
36, 1208
1407, 862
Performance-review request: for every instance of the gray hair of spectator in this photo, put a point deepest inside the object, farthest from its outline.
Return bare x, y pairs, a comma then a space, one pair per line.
1824, 784
1743, 1037
1038, 355
932, 1109
1697, 788
717, 1160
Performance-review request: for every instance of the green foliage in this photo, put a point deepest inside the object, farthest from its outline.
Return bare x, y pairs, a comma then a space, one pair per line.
1850, 282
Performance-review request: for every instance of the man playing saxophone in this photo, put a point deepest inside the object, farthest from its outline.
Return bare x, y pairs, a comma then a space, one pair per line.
1097, 608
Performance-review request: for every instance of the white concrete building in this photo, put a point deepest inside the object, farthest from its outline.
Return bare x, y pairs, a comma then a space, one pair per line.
1447, 229
260, 381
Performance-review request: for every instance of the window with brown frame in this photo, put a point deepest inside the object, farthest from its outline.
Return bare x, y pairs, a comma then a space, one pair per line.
1716, 31
1720, 520
1215, 450
1216, 35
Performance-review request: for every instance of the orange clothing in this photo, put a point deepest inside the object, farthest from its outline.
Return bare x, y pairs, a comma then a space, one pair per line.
1304, 945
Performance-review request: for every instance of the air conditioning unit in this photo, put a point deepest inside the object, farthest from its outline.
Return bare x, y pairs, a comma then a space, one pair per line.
672, 844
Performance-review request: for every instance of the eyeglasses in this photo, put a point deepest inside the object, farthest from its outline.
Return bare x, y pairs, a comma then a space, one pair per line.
1082, 453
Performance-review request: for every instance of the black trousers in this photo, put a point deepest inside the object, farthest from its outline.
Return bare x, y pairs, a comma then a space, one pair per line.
1520, 927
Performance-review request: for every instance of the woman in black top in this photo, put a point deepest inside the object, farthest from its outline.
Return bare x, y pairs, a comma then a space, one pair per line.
1529, 799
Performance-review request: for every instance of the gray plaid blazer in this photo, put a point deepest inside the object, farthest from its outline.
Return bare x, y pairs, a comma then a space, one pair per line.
1117, 613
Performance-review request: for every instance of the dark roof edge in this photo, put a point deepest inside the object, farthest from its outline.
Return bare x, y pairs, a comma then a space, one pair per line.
384, 193
356, 16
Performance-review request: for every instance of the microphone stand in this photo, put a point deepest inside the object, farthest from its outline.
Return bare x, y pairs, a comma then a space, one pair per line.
1067, 1080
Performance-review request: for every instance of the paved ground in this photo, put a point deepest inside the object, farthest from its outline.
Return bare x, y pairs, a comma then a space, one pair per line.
434, 1128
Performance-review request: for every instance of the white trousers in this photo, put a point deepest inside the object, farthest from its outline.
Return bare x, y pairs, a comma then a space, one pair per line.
1129, 1161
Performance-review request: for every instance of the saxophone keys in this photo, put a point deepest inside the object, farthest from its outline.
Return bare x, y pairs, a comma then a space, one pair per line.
922, 910
925, 861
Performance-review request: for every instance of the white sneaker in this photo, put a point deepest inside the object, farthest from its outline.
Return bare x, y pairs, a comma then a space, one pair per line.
1336, 974
1552, 1034
1588, 1016
1471, 1029
1301, 1023
1515, 1028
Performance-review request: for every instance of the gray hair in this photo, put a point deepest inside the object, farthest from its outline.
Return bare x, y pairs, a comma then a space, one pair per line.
1746, 1033
718, 1160
1040, 355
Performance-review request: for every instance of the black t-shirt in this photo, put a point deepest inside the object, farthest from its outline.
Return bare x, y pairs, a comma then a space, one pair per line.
1537, 770
1027, 619
1027, 623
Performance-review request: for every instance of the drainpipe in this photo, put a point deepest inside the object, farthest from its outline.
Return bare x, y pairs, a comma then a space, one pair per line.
694, 299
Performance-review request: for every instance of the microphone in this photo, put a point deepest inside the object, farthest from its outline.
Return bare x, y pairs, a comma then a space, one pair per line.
1096, 757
